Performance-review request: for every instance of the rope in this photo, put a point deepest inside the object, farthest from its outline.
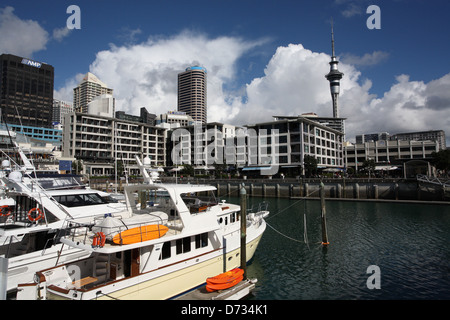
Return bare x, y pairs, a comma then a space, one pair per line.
305, 232
282, 233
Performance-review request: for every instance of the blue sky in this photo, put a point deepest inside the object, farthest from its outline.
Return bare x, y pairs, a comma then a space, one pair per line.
263, 57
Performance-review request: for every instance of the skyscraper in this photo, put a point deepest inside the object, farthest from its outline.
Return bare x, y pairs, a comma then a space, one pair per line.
192, 93
89, 88
334, 77
26, 91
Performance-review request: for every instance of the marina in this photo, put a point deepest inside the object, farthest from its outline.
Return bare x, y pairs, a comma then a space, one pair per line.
408, 242
64, 240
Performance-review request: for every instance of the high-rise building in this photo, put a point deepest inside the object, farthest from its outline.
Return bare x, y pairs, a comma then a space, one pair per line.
89, 88
334, 77
192, 93
26, 91
60, 108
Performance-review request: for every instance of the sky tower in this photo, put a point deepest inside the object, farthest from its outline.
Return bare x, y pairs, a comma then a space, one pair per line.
334, 76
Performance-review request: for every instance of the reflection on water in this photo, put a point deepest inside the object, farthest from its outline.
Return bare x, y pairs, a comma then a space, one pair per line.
408, 242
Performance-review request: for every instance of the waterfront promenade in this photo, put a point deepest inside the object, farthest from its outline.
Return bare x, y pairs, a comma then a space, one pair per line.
395, 189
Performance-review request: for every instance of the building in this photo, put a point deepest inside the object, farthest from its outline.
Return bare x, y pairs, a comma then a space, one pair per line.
174, 119
433, 135
192, 93
368, 137
144, 117
301, 136
26, 91
89, 88
60, 108
102, 105
334, 77
99, 140
387, 154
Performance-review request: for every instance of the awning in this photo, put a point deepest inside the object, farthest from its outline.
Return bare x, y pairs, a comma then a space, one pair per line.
333, 169
256, 168
386, 168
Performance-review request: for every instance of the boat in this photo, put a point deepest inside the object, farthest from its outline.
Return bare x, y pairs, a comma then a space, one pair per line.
225, 280
34, 208
197, 245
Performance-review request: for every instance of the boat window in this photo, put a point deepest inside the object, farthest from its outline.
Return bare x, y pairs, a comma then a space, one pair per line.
183, 245
201, 240
77, 200
165, 252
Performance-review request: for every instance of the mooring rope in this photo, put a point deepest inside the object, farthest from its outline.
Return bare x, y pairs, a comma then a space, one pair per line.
282, 234
305, 232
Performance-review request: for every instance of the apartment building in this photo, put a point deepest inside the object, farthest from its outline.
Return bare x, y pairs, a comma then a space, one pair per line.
89, 88
297, 137
99, 140
388, 152
192, 93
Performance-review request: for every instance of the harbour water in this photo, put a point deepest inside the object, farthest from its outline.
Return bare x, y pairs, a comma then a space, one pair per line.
410, 243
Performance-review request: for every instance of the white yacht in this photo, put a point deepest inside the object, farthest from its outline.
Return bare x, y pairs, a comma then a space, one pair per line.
33, 211
154, 252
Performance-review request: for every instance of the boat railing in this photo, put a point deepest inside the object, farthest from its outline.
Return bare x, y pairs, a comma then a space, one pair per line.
258, 208
85, 233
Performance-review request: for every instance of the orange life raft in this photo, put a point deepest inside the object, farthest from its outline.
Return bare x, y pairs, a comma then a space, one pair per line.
224, 280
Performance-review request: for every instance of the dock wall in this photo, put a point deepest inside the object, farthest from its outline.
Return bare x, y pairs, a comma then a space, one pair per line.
401, 190
362, 189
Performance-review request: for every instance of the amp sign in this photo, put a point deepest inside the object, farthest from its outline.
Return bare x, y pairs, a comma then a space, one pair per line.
32, 63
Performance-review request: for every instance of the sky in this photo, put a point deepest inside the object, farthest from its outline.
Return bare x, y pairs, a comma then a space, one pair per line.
264, 58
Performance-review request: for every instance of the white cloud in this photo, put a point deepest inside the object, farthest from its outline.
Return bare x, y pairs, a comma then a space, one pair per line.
145, 74
368, 59
294, 82
20, 37
60, 33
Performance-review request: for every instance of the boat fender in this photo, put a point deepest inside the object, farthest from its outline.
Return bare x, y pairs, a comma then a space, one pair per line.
5, 211
99, 240
39, 216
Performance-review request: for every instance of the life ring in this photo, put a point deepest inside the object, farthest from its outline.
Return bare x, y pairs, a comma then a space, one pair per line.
39, 216
5, 211
99, 240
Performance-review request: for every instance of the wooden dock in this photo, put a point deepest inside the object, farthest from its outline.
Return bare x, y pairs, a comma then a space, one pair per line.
236, 292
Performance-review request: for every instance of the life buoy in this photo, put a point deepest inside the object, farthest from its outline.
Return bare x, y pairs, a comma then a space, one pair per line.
99, 240
5, 211
39, 216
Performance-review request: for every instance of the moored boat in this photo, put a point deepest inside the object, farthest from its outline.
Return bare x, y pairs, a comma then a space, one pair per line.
198, 244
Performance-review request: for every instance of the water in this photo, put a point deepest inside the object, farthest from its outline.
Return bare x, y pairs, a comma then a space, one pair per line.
410, 243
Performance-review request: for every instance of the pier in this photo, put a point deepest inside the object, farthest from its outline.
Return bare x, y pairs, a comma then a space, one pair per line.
356, 189
344, 189
236, 292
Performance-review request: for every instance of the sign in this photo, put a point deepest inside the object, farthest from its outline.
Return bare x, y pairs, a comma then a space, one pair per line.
65, 165
31, 63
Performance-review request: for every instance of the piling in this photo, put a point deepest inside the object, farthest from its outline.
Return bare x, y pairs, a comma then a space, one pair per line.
243, 194
323, 215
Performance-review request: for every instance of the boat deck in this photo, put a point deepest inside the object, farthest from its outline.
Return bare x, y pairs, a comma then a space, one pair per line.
236, 292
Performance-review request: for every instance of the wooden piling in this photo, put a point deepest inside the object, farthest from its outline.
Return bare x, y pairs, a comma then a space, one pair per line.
323, 215
243, 194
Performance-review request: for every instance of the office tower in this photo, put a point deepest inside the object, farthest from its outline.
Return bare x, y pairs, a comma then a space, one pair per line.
60, 108
26, 91
334, 77
89, 88
192, 93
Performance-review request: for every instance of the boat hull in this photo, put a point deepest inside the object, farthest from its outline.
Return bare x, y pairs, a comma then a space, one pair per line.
173, 283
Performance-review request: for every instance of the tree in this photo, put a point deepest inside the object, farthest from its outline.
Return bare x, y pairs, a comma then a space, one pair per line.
441, 159
188, 170
310, 165
369, 165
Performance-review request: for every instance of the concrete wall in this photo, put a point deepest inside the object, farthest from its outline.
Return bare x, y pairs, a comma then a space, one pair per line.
404, 190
